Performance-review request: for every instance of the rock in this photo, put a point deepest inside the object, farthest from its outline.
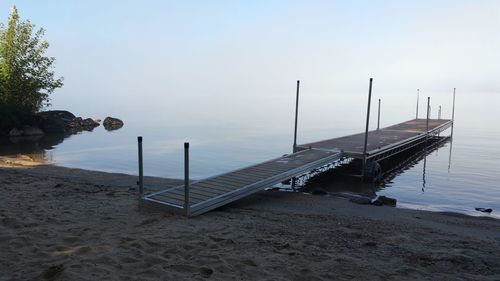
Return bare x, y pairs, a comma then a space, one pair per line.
32, 131
383, 200
111, 123
74, 123
54, 122
62, 115
319, 191
484, 210
15, 133
361, 200
89, 123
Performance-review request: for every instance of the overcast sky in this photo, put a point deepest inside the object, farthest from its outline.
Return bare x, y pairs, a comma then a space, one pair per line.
119, 55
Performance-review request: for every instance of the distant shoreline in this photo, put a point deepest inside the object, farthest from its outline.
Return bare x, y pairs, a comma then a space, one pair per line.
73, 222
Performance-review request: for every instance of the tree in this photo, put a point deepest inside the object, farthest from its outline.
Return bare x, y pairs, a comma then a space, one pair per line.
26, 76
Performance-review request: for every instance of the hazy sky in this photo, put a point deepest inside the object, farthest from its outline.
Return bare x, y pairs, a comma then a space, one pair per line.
171, 55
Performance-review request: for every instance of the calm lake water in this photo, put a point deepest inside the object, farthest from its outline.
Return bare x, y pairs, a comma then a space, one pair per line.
239, 132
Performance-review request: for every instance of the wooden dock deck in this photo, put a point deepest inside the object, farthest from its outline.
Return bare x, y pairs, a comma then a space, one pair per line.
384, 142
202, 196
210, 193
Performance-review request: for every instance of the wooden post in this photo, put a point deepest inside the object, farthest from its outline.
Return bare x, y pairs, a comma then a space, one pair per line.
141, 175
453, 113
378, 119
296, 118
418, 93
186, 178
366, 128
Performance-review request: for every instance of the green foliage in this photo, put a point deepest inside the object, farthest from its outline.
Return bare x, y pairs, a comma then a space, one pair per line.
26, 75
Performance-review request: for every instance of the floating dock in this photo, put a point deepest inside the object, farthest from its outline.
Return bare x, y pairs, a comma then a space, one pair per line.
196, 198
384, 142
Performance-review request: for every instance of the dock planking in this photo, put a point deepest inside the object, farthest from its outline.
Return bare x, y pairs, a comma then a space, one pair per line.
384, 139
208, 194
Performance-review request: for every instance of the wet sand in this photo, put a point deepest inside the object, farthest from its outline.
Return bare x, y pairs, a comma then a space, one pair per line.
69, 224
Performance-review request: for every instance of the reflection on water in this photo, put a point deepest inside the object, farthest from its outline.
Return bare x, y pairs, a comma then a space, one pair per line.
345, 176
35, 147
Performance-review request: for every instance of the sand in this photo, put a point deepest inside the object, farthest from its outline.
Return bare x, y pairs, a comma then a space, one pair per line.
69, 224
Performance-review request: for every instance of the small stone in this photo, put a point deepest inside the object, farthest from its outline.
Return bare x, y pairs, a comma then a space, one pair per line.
206, 272
319, 191
484, 210
383, 200
371, 244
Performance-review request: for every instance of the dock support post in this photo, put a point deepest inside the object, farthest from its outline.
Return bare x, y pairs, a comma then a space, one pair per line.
378, 119
296, 118
453, 113
295, 130
186, 178
366, 129
427, 120
439, 113
141, 171
418, 93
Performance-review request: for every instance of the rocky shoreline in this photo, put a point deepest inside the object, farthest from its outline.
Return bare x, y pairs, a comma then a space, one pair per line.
60, 122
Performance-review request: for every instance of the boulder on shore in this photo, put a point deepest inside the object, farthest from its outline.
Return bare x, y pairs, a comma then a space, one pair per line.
383, 200
55, 121
111, 123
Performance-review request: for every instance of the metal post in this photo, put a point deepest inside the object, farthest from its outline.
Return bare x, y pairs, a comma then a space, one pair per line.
418, 93
366, 129
296, 118
378, 119
141, 175
453, 113
439, 113
427, 120
186, 178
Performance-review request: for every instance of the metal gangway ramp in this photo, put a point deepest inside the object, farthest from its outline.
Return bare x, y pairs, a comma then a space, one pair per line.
201, 196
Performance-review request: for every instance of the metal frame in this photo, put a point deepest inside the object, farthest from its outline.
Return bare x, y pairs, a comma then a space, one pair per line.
390, 150
230, 196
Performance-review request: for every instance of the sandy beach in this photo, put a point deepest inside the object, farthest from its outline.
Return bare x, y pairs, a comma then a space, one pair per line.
68, 224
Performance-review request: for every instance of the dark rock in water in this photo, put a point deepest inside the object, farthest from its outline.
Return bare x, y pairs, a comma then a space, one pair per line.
111, 123
89, 123
319, 191
383, 200
361, 200
78, 124
74, 123
484, 210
